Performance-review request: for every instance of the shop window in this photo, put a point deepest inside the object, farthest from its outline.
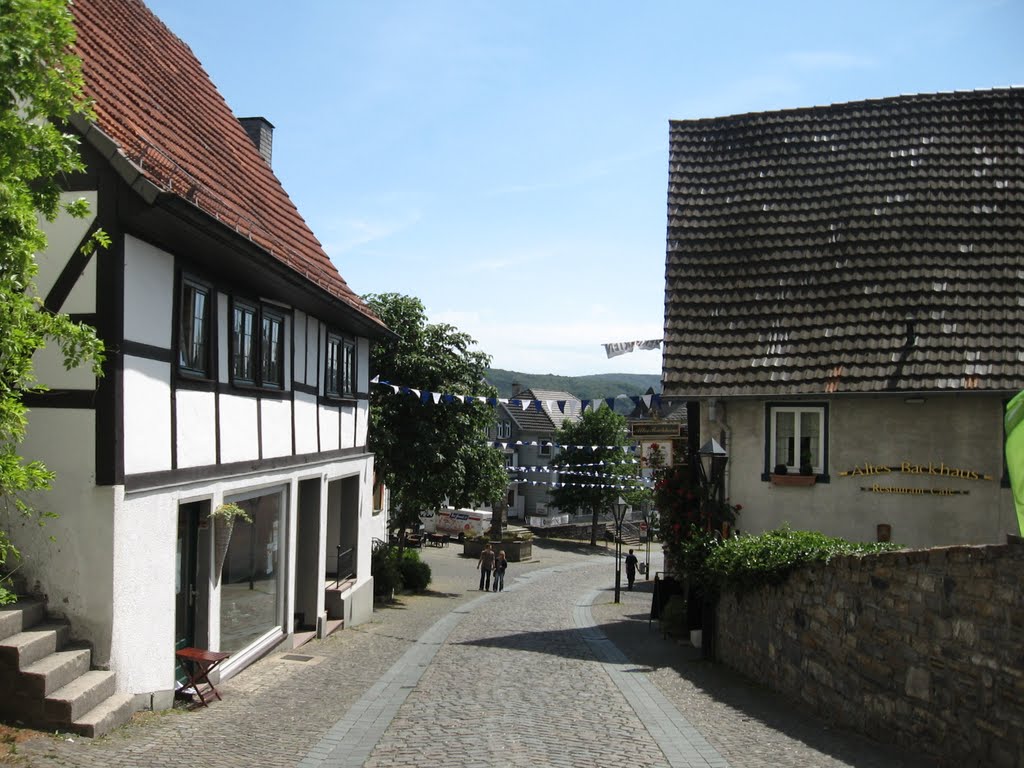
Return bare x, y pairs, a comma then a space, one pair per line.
253, 575
194, 329
797, 437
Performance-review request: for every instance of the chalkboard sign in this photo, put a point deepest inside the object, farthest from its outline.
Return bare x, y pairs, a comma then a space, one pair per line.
664, 588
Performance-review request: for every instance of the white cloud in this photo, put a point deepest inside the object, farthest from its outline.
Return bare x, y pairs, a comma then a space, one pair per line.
343, 235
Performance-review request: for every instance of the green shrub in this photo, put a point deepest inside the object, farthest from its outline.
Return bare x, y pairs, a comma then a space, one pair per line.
387, 578
745, 562
415, 573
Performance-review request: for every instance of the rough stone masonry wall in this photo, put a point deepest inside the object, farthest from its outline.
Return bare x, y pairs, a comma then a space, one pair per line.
923, 648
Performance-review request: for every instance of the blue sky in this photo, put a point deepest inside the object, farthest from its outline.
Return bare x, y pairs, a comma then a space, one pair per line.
507, 163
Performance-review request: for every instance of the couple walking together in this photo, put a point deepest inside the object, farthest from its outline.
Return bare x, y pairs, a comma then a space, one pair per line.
489, 561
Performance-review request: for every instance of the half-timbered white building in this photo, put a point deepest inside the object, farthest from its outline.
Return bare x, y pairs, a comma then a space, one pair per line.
236, 372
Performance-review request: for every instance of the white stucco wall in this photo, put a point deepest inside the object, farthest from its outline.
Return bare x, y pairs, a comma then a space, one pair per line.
196, 419
958, 431
348, 426
63, 236
306, 415
239, 437
330, 438
147, 415
142, 647
362, 421
148, 294
276, 421
69, 561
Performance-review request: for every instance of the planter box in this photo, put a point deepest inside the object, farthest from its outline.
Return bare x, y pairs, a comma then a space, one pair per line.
515, 551
794, 479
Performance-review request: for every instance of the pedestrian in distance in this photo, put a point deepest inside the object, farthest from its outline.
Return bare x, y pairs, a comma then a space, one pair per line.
485, 564
631, 563
500, 564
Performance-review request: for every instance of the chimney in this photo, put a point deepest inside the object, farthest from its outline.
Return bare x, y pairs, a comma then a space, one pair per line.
516, 389
261, 131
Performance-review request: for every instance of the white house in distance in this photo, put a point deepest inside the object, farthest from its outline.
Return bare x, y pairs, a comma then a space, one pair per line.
237, 372
843, 297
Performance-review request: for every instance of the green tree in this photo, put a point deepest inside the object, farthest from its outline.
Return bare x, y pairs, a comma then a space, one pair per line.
428, 453
606, 430
40, 89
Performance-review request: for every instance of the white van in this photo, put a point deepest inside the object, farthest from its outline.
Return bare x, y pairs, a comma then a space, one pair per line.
457, 522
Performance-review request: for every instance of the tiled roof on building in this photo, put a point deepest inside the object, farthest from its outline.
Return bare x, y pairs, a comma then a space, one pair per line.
863, 247
155, 101
551, 398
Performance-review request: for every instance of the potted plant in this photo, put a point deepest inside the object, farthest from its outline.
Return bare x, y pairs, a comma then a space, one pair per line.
806, 467
223, 517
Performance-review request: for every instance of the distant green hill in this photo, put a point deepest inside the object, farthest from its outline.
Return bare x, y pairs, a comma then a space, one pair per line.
594, 387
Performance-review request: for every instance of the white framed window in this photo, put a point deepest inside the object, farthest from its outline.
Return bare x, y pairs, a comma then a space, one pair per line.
504, 429
797, 437
544, 448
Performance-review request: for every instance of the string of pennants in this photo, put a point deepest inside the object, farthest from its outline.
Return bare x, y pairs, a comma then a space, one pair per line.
503, 444
564, 471
631, 481
438, 398
553, 484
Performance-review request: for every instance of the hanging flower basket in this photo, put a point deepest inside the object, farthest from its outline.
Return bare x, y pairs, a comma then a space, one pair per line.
224, 518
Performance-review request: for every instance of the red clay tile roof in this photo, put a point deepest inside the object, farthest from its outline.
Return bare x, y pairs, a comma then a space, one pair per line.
863, 247
155, 100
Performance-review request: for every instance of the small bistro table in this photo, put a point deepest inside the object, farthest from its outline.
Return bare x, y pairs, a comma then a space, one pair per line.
199, 664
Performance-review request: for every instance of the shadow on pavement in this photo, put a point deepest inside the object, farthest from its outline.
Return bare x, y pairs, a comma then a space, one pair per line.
648, 650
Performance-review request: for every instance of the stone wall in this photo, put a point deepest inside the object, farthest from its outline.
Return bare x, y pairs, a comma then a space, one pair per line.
923, 648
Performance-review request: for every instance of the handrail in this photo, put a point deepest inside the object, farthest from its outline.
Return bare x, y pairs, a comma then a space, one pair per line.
346, 563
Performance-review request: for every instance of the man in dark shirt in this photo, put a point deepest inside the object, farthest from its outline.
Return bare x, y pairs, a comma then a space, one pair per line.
485, 564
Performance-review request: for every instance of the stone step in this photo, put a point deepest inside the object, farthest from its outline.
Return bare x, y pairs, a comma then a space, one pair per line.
69, 703
29, 646
54, 671
20, 616
111, 713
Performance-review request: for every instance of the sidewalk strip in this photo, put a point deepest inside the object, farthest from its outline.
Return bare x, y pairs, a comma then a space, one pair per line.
682, 744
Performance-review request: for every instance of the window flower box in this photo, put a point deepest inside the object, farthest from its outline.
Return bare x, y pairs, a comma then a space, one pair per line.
794, 480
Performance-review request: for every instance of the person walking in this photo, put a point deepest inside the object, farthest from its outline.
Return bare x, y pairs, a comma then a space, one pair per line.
485, 564
500, 564
631, 563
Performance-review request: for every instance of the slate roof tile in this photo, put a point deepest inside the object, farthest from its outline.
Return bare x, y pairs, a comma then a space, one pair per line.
805, 238
155, 101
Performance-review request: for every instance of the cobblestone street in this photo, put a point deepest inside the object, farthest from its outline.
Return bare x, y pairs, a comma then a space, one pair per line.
549, 672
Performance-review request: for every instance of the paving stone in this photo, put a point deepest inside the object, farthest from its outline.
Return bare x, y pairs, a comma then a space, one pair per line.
549, 672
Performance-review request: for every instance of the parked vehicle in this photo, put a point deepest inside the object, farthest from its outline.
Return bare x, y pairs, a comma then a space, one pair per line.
457, 522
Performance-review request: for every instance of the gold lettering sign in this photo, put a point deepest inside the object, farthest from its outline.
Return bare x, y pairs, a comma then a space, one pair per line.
656, 429
910, 468
876, 488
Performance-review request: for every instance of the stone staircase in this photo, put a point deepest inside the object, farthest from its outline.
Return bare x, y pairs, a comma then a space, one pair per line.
48, 682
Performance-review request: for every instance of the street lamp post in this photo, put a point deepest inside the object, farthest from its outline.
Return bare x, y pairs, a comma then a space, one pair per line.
713, 458
646, 507
619, 510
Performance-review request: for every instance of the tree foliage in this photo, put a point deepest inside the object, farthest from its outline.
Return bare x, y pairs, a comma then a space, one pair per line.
428, 453
40, 89
602, 435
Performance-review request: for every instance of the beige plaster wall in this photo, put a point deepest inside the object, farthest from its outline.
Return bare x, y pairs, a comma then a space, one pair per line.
959, 431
